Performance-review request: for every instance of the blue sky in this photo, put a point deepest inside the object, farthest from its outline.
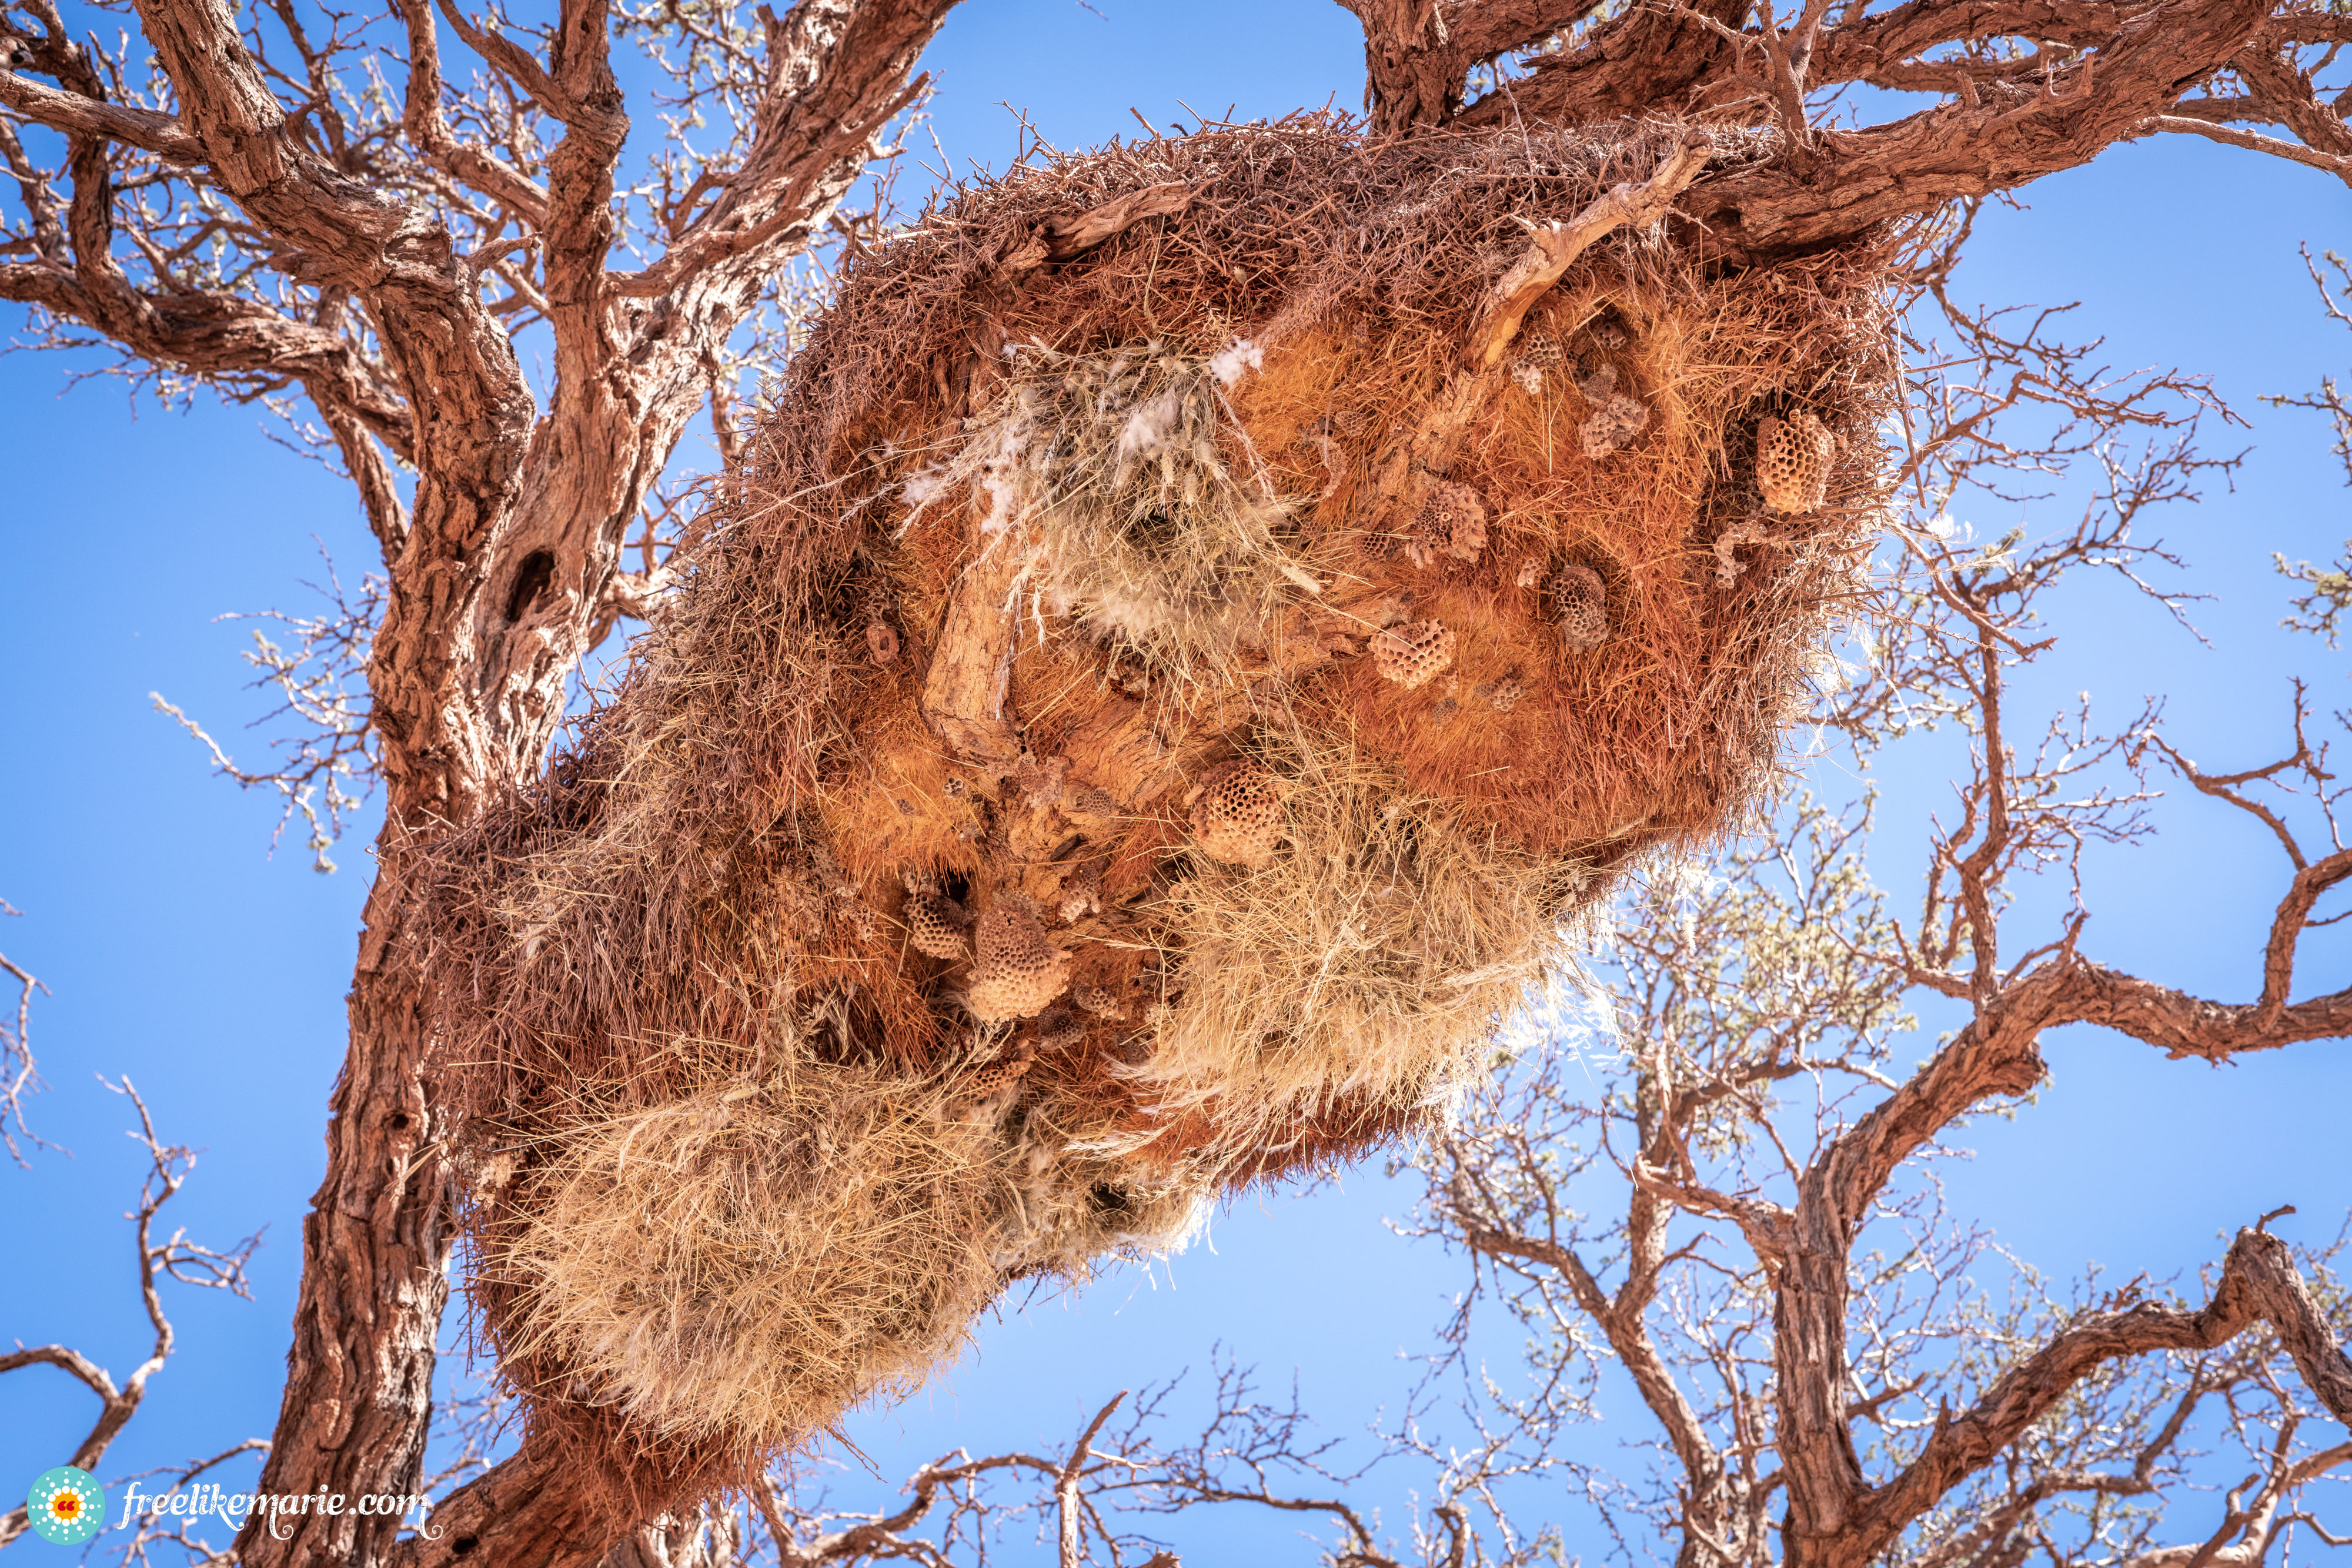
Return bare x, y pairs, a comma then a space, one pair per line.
178, 951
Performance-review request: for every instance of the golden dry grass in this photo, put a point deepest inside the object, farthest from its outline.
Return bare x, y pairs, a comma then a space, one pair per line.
753, 1260
1159, 529
1366, 967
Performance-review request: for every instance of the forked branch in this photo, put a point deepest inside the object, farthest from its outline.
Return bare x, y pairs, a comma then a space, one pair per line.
19, 1070
175, 1257
1554, 247
2259, 1284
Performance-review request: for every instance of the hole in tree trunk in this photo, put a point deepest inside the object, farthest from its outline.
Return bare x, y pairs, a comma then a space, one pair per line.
531, 578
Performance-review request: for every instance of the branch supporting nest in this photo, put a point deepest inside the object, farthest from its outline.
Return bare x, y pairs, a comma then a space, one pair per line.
1555, 247
1060, 239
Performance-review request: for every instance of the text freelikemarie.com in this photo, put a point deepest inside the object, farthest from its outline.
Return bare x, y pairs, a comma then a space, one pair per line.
233, 1508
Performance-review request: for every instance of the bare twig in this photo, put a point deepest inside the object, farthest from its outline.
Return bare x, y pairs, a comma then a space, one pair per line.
175, 1257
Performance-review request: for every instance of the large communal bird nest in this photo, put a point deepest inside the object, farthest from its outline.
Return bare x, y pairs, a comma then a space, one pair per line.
1195, 624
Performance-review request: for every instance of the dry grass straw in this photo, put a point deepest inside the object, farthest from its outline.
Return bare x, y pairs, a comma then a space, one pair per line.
1366, 967
749, 1261
1076, 1205
1659, 734
1160, 533
1192, 441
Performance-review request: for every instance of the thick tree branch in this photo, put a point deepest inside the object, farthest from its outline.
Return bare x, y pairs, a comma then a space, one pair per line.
2187, 1026
1418, 54
2259, 1283
1651, 59
221, 336
161, 134
1555, 247
590, 112
1863, 48
2104, 73
387, 515
522, 1512
1865, 178
1995, 1056
2285, 93
428, 126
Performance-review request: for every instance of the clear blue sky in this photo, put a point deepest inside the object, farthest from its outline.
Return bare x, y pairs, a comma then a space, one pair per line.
178, 953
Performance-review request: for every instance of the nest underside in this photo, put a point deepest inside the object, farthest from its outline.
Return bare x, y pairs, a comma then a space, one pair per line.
1134, 724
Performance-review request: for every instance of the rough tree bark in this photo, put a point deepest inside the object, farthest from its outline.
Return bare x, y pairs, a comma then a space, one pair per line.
503, 573
503, 579
1836, 1518
506, 568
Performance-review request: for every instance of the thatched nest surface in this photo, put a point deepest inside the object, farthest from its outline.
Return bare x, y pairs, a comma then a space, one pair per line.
684, 1254
1176, 654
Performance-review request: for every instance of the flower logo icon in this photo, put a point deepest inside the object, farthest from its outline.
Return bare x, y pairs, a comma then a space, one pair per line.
67, 1506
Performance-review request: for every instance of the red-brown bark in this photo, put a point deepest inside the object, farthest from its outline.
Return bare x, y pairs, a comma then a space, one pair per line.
499, 576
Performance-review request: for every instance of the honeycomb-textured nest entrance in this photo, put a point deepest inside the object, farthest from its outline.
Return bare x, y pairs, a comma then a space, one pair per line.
1413, 655
1453, 522
1583, 607
1793, 458
1016, 969
1238, 817
1149, 698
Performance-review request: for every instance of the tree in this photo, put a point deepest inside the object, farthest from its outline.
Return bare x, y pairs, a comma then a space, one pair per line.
304, 207
1713, 1176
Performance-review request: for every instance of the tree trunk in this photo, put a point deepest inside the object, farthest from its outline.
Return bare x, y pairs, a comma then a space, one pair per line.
376, 1243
